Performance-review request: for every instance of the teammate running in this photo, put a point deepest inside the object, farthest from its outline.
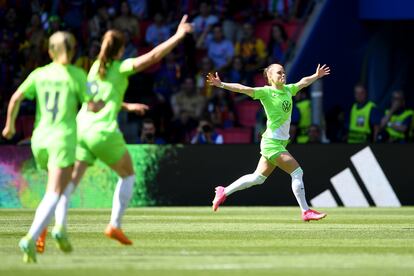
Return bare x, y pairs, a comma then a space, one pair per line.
58, 89
277, 102
99, 136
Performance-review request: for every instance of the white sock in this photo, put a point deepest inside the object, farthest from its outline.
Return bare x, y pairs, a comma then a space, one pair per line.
122, 195
44, 213
244, 182
61, 211
299, 189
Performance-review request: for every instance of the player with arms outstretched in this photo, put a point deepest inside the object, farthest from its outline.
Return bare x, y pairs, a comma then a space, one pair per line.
58, 89
99, 136
276, 99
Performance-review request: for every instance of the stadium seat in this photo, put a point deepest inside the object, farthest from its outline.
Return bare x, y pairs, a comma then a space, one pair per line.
236, 135
262, 30
246, 112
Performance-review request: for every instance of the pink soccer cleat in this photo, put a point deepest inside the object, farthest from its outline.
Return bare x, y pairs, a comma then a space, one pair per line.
312, 215
219, 198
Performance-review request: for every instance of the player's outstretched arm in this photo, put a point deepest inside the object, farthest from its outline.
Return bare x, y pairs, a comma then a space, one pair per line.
156, 54
136, 108
321, 71
214, 80
12, 111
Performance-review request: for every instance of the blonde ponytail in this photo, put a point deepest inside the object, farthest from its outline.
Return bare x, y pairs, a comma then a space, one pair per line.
62, 47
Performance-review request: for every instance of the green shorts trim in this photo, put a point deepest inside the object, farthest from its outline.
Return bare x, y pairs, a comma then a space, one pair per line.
58, 156
109, 147
272, 148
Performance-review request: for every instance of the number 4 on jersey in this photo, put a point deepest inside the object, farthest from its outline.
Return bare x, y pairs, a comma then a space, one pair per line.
54, 109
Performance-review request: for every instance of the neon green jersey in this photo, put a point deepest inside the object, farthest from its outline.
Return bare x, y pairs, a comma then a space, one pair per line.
58, 90
111, 90
277, 104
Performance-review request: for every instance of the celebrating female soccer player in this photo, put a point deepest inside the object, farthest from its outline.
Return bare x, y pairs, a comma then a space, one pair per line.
58, 89
277, 102
99, 135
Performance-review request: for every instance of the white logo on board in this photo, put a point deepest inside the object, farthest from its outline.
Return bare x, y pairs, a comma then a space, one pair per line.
349, 191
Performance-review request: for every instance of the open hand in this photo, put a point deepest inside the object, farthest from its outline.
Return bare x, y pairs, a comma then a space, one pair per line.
213, 79
184, 27
322, 71
137, 108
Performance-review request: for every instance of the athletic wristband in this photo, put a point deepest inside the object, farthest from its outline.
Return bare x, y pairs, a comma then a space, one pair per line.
222, 85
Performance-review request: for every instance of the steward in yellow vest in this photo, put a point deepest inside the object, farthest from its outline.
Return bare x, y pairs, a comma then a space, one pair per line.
364, 120
397, 119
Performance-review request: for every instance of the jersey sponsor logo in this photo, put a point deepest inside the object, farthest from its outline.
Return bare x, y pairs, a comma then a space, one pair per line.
92, 88
350, 192
286, 105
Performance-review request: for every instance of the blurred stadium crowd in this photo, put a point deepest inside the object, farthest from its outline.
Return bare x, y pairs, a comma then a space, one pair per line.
235, 38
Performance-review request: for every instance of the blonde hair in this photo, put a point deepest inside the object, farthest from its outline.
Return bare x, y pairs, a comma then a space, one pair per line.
112, 42
62, 47
267, 73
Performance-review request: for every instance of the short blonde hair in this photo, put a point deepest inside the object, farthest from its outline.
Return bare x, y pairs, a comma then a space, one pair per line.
62, 46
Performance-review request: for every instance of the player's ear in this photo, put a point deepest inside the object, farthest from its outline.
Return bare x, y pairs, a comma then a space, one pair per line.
50, 54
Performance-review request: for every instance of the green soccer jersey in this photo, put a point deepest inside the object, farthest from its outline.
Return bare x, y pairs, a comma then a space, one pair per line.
58, 90
277, 104
111, 90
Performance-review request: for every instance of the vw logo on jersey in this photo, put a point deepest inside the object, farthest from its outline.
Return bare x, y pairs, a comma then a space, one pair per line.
286, 105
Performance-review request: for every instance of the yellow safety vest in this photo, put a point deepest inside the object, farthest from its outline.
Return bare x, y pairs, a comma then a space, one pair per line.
398, 119
305, 121
359, 127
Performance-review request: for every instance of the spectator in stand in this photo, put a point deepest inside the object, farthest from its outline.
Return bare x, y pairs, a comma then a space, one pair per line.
397, 119
364, 118
130, 49
99, 23
204, 20
126, 21
188, 100
166, 79
148, 133
206, 134
219, 49
221, 109
251, 49
282, 9
277, 46
35, 34
206, 67
158, 31
55, 24
86, 60
139, 8
187, 106
314, 134
237, 72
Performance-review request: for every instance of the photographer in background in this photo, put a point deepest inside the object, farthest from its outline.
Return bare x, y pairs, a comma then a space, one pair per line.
206, 134
148, 132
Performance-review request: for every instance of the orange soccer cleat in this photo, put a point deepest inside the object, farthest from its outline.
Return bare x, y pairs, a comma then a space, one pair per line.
117, 234
41, 242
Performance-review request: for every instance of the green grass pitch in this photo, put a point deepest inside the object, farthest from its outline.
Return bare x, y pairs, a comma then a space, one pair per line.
233, 241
